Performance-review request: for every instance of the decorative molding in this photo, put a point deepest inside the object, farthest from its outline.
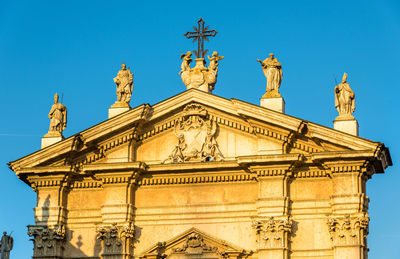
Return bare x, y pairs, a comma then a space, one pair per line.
349, 230
196, 137
48, 241
197, 179
117, 240
273, 232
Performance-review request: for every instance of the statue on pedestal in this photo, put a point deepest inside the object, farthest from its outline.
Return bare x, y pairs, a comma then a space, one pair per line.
272, 69
344, 100
58, 118
124, 81
6, 245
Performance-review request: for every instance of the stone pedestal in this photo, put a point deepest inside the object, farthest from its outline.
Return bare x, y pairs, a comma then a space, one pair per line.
273, 103
347, 126
48, 140
118, 108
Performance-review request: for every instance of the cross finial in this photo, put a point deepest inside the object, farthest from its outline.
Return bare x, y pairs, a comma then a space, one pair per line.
200, 34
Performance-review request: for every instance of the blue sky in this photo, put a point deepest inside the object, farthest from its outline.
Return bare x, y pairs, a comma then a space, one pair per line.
75, 48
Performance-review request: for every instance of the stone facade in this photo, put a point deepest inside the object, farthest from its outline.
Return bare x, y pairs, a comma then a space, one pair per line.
200, 176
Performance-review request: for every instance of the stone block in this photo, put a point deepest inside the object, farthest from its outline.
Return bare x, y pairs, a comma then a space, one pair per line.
347, 126
275, 103
114, 111
47, 141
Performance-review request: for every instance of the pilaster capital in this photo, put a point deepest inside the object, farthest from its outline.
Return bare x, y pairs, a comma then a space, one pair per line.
116, 239
273, 232
48, 240
348, 230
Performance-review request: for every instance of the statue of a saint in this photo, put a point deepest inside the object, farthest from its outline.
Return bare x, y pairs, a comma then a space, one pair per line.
58, 118
124, 81
6, 245
214, 61
186, 62
344, 100
273, 72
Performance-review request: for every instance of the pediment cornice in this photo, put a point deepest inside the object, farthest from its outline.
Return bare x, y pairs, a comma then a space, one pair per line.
235, 114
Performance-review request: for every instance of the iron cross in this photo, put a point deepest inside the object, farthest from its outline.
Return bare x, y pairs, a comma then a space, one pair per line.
200, 34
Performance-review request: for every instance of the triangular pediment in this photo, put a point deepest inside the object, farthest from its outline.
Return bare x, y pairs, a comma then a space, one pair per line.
194, 243
232, 129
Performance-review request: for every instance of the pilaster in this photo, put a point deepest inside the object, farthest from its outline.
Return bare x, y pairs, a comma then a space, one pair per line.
348, 223
273, 224
349, 236
117, 229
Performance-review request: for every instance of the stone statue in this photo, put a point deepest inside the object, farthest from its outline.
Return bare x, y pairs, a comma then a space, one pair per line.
344, 100
273, 72
186, 62
214, 61
58, 118
6, 245
124, 81
200, 77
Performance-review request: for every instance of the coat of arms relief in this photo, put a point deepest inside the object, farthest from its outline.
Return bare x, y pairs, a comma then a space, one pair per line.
196, 134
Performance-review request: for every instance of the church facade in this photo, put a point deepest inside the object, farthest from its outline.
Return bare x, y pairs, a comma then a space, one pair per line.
201, 176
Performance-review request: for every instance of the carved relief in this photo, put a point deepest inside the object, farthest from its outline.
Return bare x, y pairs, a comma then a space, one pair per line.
116, 240
196, 137
195, 245
48, 241
273, 232
347, 230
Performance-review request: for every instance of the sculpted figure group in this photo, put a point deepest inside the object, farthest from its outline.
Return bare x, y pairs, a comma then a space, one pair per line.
200, 77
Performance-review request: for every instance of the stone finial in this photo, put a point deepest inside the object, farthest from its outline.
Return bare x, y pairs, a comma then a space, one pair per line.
200, 77
345, 105
124, 84
58, 123
272, 69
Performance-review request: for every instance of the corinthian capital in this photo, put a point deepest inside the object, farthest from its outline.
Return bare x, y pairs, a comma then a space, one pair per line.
348, 230
273, 232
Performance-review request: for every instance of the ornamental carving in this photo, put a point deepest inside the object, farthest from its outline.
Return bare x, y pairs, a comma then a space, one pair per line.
196, 137
116, 240
47, 240
273, 232
348, 230
195, 245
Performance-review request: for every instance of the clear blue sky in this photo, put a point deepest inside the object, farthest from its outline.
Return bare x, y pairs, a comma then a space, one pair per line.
76, 48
